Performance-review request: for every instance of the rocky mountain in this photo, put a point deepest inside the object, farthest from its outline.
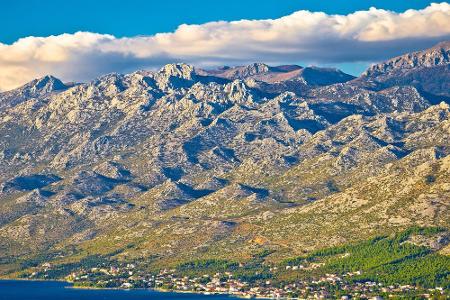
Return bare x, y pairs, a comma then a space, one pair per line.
439, 55
38, 88
183, 162
427, 70
312, 76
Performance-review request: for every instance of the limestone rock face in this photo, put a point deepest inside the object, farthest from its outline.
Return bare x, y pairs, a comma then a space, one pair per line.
439, 55
427, 70
289, 153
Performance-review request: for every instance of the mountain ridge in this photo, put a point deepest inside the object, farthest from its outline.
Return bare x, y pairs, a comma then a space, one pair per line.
135, 165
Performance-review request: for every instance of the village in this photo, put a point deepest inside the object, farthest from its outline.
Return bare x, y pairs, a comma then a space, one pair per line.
329, 286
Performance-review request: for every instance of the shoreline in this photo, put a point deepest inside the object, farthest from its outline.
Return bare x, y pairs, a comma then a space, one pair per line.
36, 280
158, 290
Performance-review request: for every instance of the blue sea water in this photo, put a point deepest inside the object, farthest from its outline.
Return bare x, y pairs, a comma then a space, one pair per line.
50, 290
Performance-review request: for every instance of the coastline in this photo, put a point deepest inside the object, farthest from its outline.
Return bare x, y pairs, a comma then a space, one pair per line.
158, 290
35, 280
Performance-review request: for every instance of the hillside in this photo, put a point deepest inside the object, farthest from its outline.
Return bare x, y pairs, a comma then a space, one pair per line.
182, 163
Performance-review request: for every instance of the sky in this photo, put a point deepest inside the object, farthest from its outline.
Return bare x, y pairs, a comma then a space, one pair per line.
80, 40
145, 17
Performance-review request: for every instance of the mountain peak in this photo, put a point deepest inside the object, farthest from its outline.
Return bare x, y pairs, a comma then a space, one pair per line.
443, 45
272, 74
444, 106
45, 84
257, 68
324, 76
180, 70
36, 88
241, 72
435, 56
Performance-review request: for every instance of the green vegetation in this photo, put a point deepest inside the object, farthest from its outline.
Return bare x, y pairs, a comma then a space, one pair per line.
391, 260
208, 264
386, 259
251, 271
62, 270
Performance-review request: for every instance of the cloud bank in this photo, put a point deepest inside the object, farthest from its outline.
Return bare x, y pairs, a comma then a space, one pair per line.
309, 37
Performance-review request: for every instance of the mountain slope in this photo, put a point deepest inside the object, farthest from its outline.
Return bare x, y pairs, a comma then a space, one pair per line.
313, 76
427, 70
184, 163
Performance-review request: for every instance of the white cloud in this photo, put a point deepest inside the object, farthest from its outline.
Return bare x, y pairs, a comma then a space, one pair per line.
363, 36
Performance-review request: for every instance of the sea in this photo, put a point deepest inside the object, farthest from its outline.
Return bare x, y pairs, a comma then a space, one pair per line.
52, 290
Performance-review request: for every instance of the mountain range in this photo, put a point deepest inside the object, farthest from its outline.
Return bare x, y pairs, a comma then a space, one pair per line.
185, 163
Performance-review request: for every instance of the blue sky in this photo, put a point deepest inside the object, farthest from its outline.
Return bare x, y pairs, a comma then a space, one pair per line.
144, 17
83, 39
